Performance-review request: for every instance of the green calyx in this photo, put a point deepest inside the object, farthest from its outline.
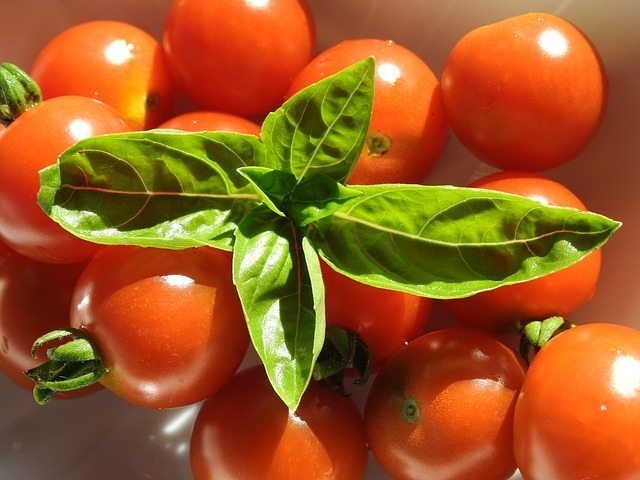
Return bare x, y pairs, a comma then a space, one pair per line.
537, 333
71, 365
18, 93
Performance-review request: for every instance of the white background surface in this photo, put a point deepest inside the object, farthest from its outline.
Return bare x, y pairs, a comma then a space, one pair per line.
102, 438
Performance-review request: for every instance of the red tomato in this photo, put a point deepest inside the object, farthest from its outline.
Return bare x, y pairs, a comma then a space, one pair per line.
385, 320
408, 128
578, 413
167, 323
112, 61
528, 92
211, 121
559, 293
442, 408
245, 432
35, 298
238, 56
31, 143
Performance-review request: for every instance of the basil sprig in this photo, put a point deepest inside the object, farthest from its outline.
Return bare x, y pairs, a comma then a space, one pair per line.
280, 203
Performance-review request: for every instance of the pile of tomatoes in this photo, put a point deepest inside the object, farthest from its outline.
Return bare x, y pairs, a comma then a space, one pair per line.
453, 403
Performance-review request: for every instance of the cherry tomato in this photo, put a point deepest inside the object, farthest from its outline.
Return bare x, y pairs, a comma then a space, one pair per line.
31, 143
385, 320
245, 432
35, 298
442, 408
408, 128
578, 413
559, 293
238, 56
115, 62
211, 121
167, 323
528, 92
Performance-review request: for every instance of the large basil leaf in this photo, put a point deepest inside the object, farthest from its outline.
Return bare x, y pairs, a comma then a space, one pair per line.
322, 128
278, 278
157, 188
448, 242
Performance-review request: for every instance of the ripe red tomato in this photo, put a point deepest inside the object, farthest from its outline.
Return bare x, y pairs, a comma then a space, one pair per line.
245, 432
578, 413
559, 293
35, 298
211, 121
238, 57
408, 128
31, 143
115, 62
385, 320
167, 323
528, 92
442, 408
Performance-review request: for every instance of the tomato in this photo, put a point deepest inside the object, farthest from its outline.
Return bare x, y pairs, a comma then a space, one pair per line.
34, 299
578, 413
167, 323
246, 432
559, 293
113, 61
211, 121
238, 56
384, 319
528, 92
408, 129
29, 144
442, 408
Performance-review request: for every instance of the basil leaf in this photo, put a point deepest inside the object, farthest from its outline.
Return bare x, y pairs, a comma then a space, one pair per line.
273, 186
448, 242
322, 128
278, 278
316, 197
158, 188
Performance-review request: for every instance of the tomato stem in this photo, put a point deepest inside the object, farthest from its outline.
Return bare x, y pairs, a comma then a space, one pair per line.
377, 144
537, 333
18, 93
410, 410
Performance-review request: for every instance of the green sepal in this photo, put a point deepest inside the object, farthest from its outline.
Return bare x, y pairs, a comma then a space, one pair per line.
18, 93
537, 333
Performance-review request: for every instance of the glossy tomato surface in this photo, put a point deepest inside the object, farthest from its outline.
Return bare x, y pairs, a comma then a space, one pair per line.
212, 121
408, 128
528, 92
238, 56
30, 144
442, 408
245, 432
560, 293
167, 323
116, 62
578, 413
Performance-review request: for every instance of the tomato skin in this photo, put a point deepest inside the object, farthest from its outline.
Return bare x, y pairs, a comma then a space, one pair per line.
238, 66
578, 413
385, 320
115, 62
528, 92
559, 293
211, 121
464, 384
246, 432
167, 323
407, 109
31, 143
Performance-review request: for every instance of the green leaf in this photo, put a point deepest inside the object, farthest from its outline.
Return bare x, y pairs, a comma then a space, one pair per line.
273, 186
322, 128
159, 188
449, 242
278, 278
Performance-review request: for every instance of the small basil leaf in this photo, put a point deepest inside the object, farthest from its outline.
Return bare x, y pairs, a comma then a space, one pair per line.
322, 128
282, 296
157, 188
272, 185
449, 242
318, 196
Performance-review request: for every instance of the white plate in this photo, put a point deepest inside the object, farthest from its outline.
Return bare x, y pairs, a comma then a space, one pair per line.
102, 438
